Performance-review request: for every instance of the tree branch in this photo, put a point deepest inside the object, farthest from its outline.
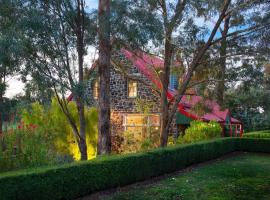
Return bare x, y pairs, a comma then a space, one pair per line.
196, 60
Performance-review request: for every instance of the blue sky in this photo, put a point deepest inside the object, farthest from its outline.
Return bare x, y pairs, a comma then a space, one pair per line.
91, 3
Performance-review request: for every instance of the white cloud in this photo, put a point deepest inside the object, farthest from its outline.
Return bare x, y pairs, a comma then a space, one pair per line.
15, 87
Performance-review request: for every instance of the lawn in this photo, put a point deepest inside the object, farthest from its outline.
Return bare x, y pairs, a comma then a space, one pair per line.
245, 176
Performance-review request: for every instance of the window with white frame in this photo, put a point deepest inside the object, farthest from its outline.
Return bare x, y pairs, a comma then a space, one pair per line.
138, 123
132, 88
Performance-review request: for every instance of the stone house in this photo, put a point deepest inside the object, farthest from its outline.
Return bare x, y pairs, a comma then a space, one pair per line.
135, 100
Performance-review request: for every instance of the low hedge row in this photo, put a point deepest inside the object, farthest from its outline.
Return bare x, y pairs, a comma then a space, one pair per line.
79, 179
261, 134
259, 145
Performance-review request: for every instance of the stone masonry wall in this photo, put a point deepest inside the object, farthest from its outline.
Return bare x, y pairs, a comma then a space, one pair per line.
120, 102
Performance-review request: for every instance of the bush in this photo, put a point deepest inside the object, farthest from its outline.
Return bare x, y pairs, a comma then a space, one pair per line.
199, 131
137, 142
51, 121
23, 148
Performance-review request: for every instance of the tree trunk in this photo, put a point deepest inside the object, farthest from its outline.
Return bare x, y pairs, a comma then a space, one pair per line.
1, 113
1, 120
165, 83
222, 68
79, 98
104, 136
82, 141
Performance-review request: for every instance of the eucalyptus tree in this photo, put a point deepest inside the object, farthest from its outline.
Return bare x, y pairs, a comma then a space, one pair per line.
183, 32
119, 22
104, 62
251, 20
173, 15
10, 47
55, 38
194, 43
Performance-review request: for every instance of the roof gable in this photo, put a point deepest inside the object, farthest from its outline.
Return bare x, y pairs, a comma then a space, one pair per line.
148, 65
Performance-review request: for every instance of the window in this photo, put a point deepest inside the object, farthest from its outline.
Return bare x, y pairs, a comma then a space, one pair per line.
96, 89
132, 88
173, 82
141, 123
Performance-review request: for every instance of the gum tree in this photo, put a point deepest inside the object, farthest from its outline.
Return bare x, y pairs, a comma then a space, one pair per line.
104, 137
10, 48
55, 37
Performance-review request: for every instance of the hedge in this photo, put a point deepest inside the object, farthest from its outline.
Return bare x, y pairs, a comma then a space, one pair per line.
82, 178
259, 145
259, 134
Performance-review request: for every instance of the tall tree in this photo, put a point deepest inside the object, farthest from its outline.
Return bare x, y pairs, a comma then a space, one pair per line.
177, 21
196, 45
170, 24
55, 37
9, 47
222, 68
104, 136
241, 48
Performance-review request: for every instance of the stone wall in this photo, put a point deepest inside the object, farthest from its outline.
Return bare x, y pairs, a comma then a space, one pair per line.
121, 104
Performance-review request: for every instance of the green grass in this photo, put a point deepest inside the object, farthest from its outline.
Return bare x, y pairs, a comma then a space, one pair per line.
243, 177
258, 134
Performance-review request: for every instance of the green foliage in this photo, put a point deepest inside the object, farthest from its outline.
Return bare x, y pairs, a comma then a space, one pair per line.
143, 106
52, 121
258, 134
250, 104
81, 178
260, 145
200, 108
136, 142
24, 148
199, 131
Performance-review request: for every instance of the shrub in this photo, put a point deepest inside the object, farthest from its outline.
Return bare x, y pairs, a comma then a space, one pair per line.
199, 131
81, 178
136, 142
52, 122
23, 148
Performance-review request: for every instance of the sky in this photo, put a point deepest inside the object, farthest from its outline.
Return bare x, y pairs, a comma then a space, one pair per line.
15, 86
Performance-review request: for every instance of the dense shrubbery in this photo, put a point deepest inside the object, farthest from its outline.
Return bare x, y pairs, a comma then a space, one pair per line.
44, 137
25, 147
136, 142
74, 180
199, 131
51, 121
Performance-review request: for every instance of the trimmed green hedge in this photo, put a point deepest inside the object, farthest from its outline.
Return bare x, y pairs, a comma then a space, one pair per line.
79, 179
258, 134
259, 145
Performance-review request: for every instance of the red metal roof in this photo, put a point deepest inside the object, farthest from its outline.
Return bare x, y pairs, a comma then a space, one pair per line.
147, 65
